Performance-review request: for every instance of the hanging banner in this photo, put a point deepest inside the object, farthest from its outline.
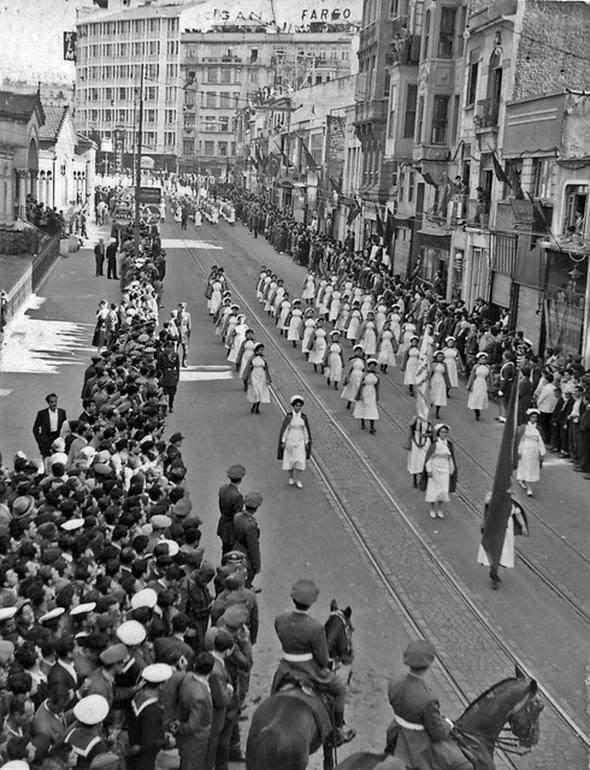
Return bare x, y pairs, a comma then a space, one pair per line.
335, 148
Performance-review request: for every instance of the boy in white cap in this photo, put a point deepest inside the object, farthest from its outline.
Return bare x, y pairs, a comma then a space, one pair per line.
146, 724
86, 739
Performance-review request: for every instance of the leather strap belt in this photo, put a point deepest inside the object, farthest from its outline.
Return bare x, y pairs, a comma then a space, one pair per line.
407, 725
294, 658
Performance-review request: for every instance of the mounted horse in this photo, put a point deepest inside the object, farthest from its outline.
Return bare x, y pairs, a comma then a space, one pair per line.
478, 730
295, 722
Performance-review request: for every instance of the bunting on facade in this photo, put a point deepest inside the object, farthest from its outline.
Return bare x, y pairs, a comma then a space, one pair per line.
310, 162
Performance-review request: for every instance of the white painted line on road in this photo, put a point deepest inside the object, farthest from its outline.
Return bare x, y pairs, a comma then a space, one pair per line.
187, 376
181, 243
204, 368
5, 392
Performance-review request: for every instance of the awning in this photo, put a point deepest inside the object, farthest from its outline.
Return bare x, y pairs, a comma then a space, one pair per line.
432, 241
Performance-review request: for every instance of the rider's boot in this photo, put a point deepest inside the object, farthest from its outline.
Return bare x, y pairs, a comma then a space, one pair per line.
340, 734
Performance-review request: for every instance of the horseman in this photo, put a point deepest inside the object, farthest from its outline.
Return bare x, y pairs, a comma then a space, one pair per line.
305, 655
420, 734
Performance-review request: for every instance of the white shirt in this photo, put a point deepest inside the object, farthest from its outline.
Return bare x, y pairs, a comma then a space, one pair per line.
53, 418
547, 398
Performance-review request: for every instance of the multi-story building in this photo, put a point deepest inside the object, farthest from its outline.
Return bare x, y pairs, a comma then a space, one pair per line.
226, 71
111, 50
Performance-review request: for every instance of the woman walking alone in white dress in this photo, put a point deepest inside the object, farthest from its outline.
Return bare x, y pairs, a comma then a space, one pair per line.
257, 379
365, 408
530, 452
439, 382
441, 471
479, 385
452, 361
295, 442
386, 350
354, 376
333, 363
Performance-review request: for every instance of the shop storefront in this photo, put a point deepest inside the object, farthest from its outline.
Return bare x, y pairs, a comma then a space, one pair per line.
565, 300
433, 258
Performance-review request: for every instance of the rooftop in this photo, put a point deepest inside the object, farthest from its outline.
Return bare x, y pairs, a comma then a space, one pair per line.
140, 12
20, 105
54, 118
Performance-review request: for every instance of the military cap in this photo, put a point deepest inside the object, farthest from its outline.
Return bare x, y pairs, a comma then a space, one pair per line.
176, 437
147, 597
7, 613
253, 500
131, 633
157, 673
23, 505
108, 761
116, 653
419, 654
83, 609
91, 710
236, 471
173, 547
235, 616
160, 521
52, 615
16, 764
235, 579
305, 592
72, 524
233, 557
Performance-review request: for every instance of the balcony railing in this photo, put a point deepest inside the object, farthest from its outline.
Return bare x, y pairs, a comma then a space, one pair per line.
487, 113
404, 50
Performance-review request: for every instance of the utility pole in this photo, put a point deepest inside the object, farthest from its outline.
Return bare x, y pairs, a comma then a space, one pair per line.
138, 161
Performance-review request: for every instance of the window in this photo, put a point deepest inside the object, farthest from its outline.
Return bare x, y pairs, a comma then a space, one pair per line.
233, 148
541, 178
188, 147
211, 74
455, 125
411, 186
108, 94
107, 116
392, 111
222, 149
253, 55
461, 30
138, 48
171, 71
420, 120
209, 148
152, 71
171, 94
513, 169
172, 47
150, 116
122, 93
151, 93
224, 124
426, 42
410, 115
447, 32
253, 76
122, 116
154, 25
472, 82
169, 138
440, 119
210, 123
225, 100
211, 99
154, 47
236, 96
226, 74
316, 147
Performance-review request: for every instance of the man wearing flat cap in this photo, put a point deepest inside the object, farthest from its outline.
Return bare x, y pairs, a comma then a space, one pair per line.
247, 534
305, 654
419, 732
231, 502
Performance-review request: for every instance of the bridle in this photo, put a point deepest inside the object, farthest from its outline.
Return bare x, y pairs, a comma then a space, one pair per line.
348, 630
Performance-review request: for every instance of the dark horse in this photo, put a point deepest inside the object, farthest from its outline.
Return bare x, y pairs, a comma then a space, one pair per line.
513, 701
284, 731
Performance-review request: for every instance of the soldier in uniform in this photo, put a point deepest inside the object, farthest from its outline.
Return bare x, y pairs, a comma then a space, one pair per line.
231, 502
420, 733
235, 592
146, 719
247, 533
86, 739
169, 372
305, 654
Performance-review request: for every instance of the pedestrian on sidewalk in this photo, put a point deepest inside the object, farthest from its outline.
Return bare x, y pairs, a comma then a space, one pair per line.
441, 471
48, 424
111, 253
530, 452
231, 501
257, 380
295, 441
99, 255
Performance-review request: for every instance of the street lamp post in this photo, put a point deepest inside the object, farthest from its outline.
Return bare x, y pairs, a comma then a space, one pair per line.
138, 161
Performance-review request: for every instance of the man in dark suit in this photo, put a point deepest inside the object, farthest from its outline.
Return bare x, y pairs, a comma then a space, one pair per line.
112, 260
63, 670
47, 425
231, 502
99, 254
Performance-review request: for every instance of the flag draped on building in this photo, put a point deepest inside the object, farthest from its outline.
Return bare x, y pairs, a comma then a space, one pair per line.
355, 210
310, 162
501, 502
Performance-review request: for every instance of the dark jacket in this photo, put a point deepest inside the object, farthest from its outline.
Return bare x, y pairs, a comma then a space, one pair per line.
247, 539
231, 501
43, 436
284, 426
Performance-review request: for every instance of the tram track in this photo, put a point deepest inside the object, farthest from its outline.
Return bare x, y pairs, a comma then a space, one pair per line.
413, 619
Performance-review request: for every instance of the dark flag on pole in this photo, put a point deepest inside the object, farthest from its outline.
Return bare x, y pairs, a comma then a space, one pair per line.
353, 213
379, 221
500, 506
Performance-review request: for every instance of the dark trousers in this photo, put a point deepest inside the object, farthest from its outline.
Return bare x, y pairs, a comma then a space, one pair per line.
574, 441
99, 261
545, 425
112, 268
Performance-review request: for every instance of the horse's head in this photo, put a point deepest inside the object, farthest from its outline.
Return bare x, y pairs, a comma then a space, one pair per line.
339, 634
524, 717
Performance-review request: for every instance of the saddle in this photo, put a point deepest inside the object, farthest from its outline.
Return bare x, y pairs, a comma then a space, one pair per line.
319, 703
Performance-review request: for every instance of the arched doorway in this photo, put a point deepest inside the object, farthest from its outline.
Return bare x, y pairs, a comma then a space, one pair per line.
33, 168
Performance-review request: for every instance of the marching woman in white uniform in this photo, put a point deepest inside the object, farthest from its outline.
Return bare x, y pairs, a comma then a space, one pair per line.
479, 385
439, 382
260, 283
441, 471
367, 398
418, 445
395, 321
257, 379
333, 363
295, 442
214, 301
343, 316
427, 343
451, 360
238, 336
408, 336
354, 323
385, 350
308, 291
334, 309
368, 339
246, 352
530, 452
308, 332
295, 323
354, 376
284, 311
380, 316
411, 364
318, 346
